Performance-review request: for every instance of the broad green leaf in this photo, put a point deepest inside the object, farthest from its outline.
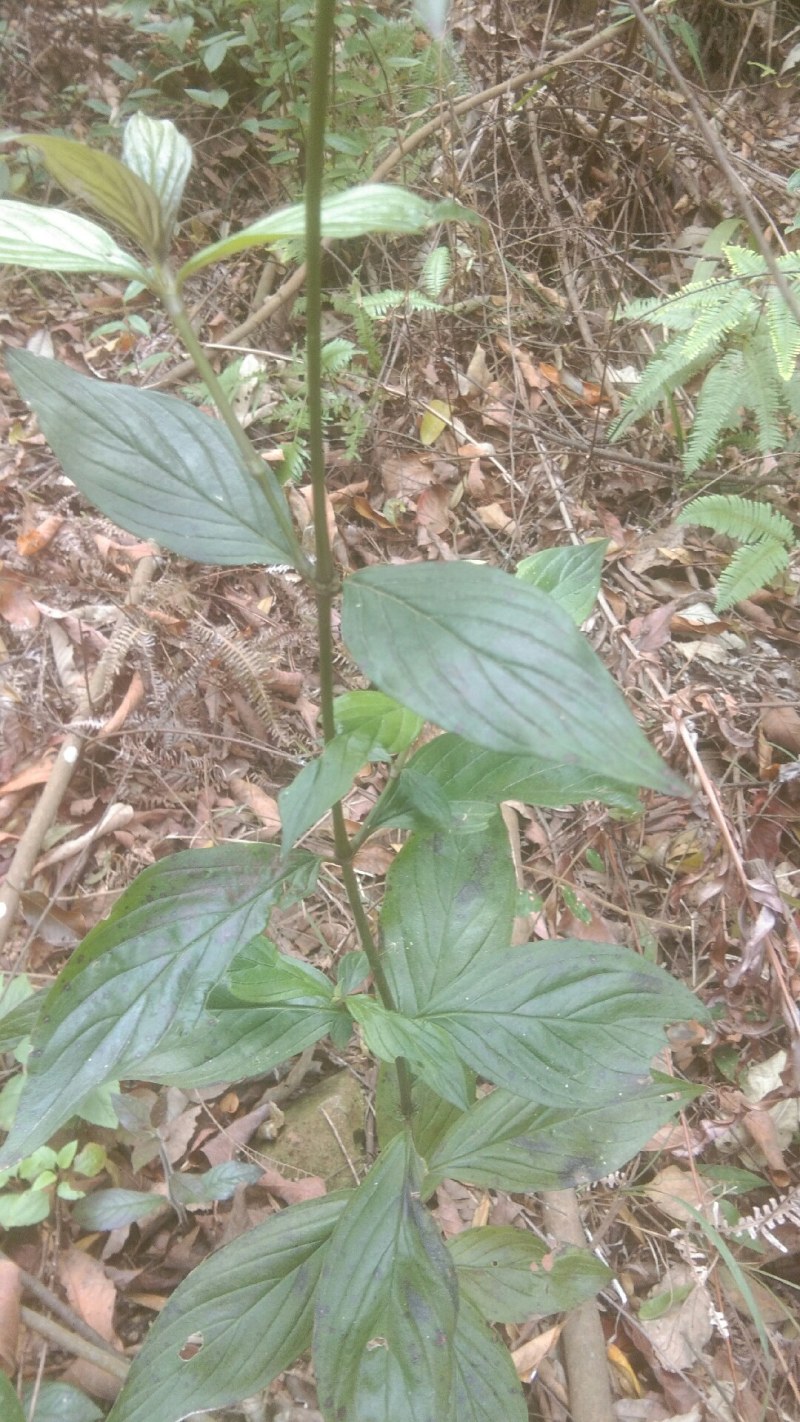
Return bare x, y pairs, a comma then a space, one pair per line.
386, 1306
9, 1402
466, 773
51, 240
320, 784
232, 1042
59, 1402
250, 1304
570, 575
390, 726
29, 1207
17, 1015
148, 967
501, 1271
155, 465
356, 212
159, 154
510, 1144
450, 901
479, 653
112, 1209
432, 1115
107, 185
428, 1049
485, 1384
219, 1183
563, 1021
352, 970
412, 801
260, 974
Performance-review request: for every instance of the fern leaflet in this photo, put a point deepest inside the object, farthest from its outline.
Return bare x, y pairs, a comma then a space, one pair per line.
718, 405
751, 567
746, 520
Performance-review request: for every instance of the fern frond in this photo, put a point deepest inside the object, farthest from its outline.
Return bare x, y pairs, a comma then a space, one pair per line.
743, 261
751, 567
661, 376
379, 303
747, 520
680, 311
784, 333
436, 272
765, 392
337, 355
736, 314
718, 404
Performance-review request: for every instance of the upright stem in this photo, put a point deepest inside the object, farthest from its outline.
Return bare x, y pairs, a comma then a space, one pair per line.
326, 582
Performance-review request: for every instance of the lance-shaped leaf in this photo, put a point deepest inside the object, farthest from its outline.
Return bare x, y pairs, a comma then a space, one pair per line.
466, 773
450, 900
259, 973
159, 154
374, 207
52, 240
386, 1305
509, 1274
321, 783
153, 464
391, 727
506, 1142
249, 1306
107, 185
477, 652
570, 575
148, 967
485, 1385
561, 1022
9, 1402
390, 1035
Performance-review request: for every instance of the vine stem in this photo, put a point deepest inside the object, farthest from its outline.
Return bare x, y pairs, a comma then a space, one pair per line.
326, 582
174, 305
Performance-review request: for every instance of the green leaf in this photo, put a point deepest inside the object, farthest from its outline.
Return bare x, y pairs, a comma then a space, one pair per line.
320, 784
570, 575
390, 1035
159, 154
509, 1274
450, 902
411, 801
466, 773
431, 1116
22, 1210
112, 1209
390, 726
250, 1303
153, 464
51, 240
485, 1384
747, 520
107, 185
219, 1183
59, 1402
479, 653
752, 567
148, 967
386, 1306
507, 1143
563, 1021
356, 212
351, 971
11, 1406
259, 973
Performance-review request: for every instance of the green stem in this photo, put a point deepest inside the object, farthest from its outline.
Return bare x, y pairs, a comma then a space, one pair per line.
327, 581
176, 310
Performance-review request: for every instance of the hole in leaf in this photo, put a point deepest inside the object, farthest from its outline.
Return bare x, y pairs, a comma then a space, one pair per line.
191, 1347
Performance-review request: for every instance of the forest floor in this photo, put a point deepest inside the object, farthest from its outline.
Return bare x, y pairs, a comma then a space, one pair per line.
482, 432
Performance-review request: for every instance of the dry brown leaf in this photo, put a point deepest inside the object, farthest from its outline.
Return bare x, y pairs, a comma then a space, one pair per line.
680, 1335
311, 1187
257, 800
494, 517
37, 539
32, 775
528, 1356
672, 1189
17, 608
10, 1299
404, 477
781, 727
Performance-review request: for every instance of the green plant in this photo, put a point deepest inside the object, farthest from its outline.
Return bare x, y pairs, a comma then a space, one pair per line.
181, 984
768, 539
738, 329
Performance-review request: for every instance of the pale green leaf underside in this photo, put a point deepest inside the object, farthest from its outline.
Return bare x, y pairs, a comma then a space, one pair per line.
52, 240
155, 465
161, 156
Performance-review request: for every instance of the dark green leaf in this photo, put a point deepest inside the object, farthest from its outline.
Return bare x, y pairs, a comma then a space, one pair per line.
321, 783
570, 575
561, 1022
60, 1402
9, 1402
260, 974
501, 1271
155, 465
390, 1035
219, 1183
510, 1144
351, 971
412, 801
450, 900
107, 185
112, 1209
464, 772
479, 653
386, 1306
148, 967
485, 1384
20, 1021
232, 1042
390, 726
432, 1115
250, 1303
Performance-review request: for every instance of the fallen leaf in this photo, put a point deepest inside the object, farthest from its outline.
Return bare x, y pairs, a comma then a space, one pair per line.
311, 1187
435, 420
10, 1299
37, 539
528, 1357
17, 608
